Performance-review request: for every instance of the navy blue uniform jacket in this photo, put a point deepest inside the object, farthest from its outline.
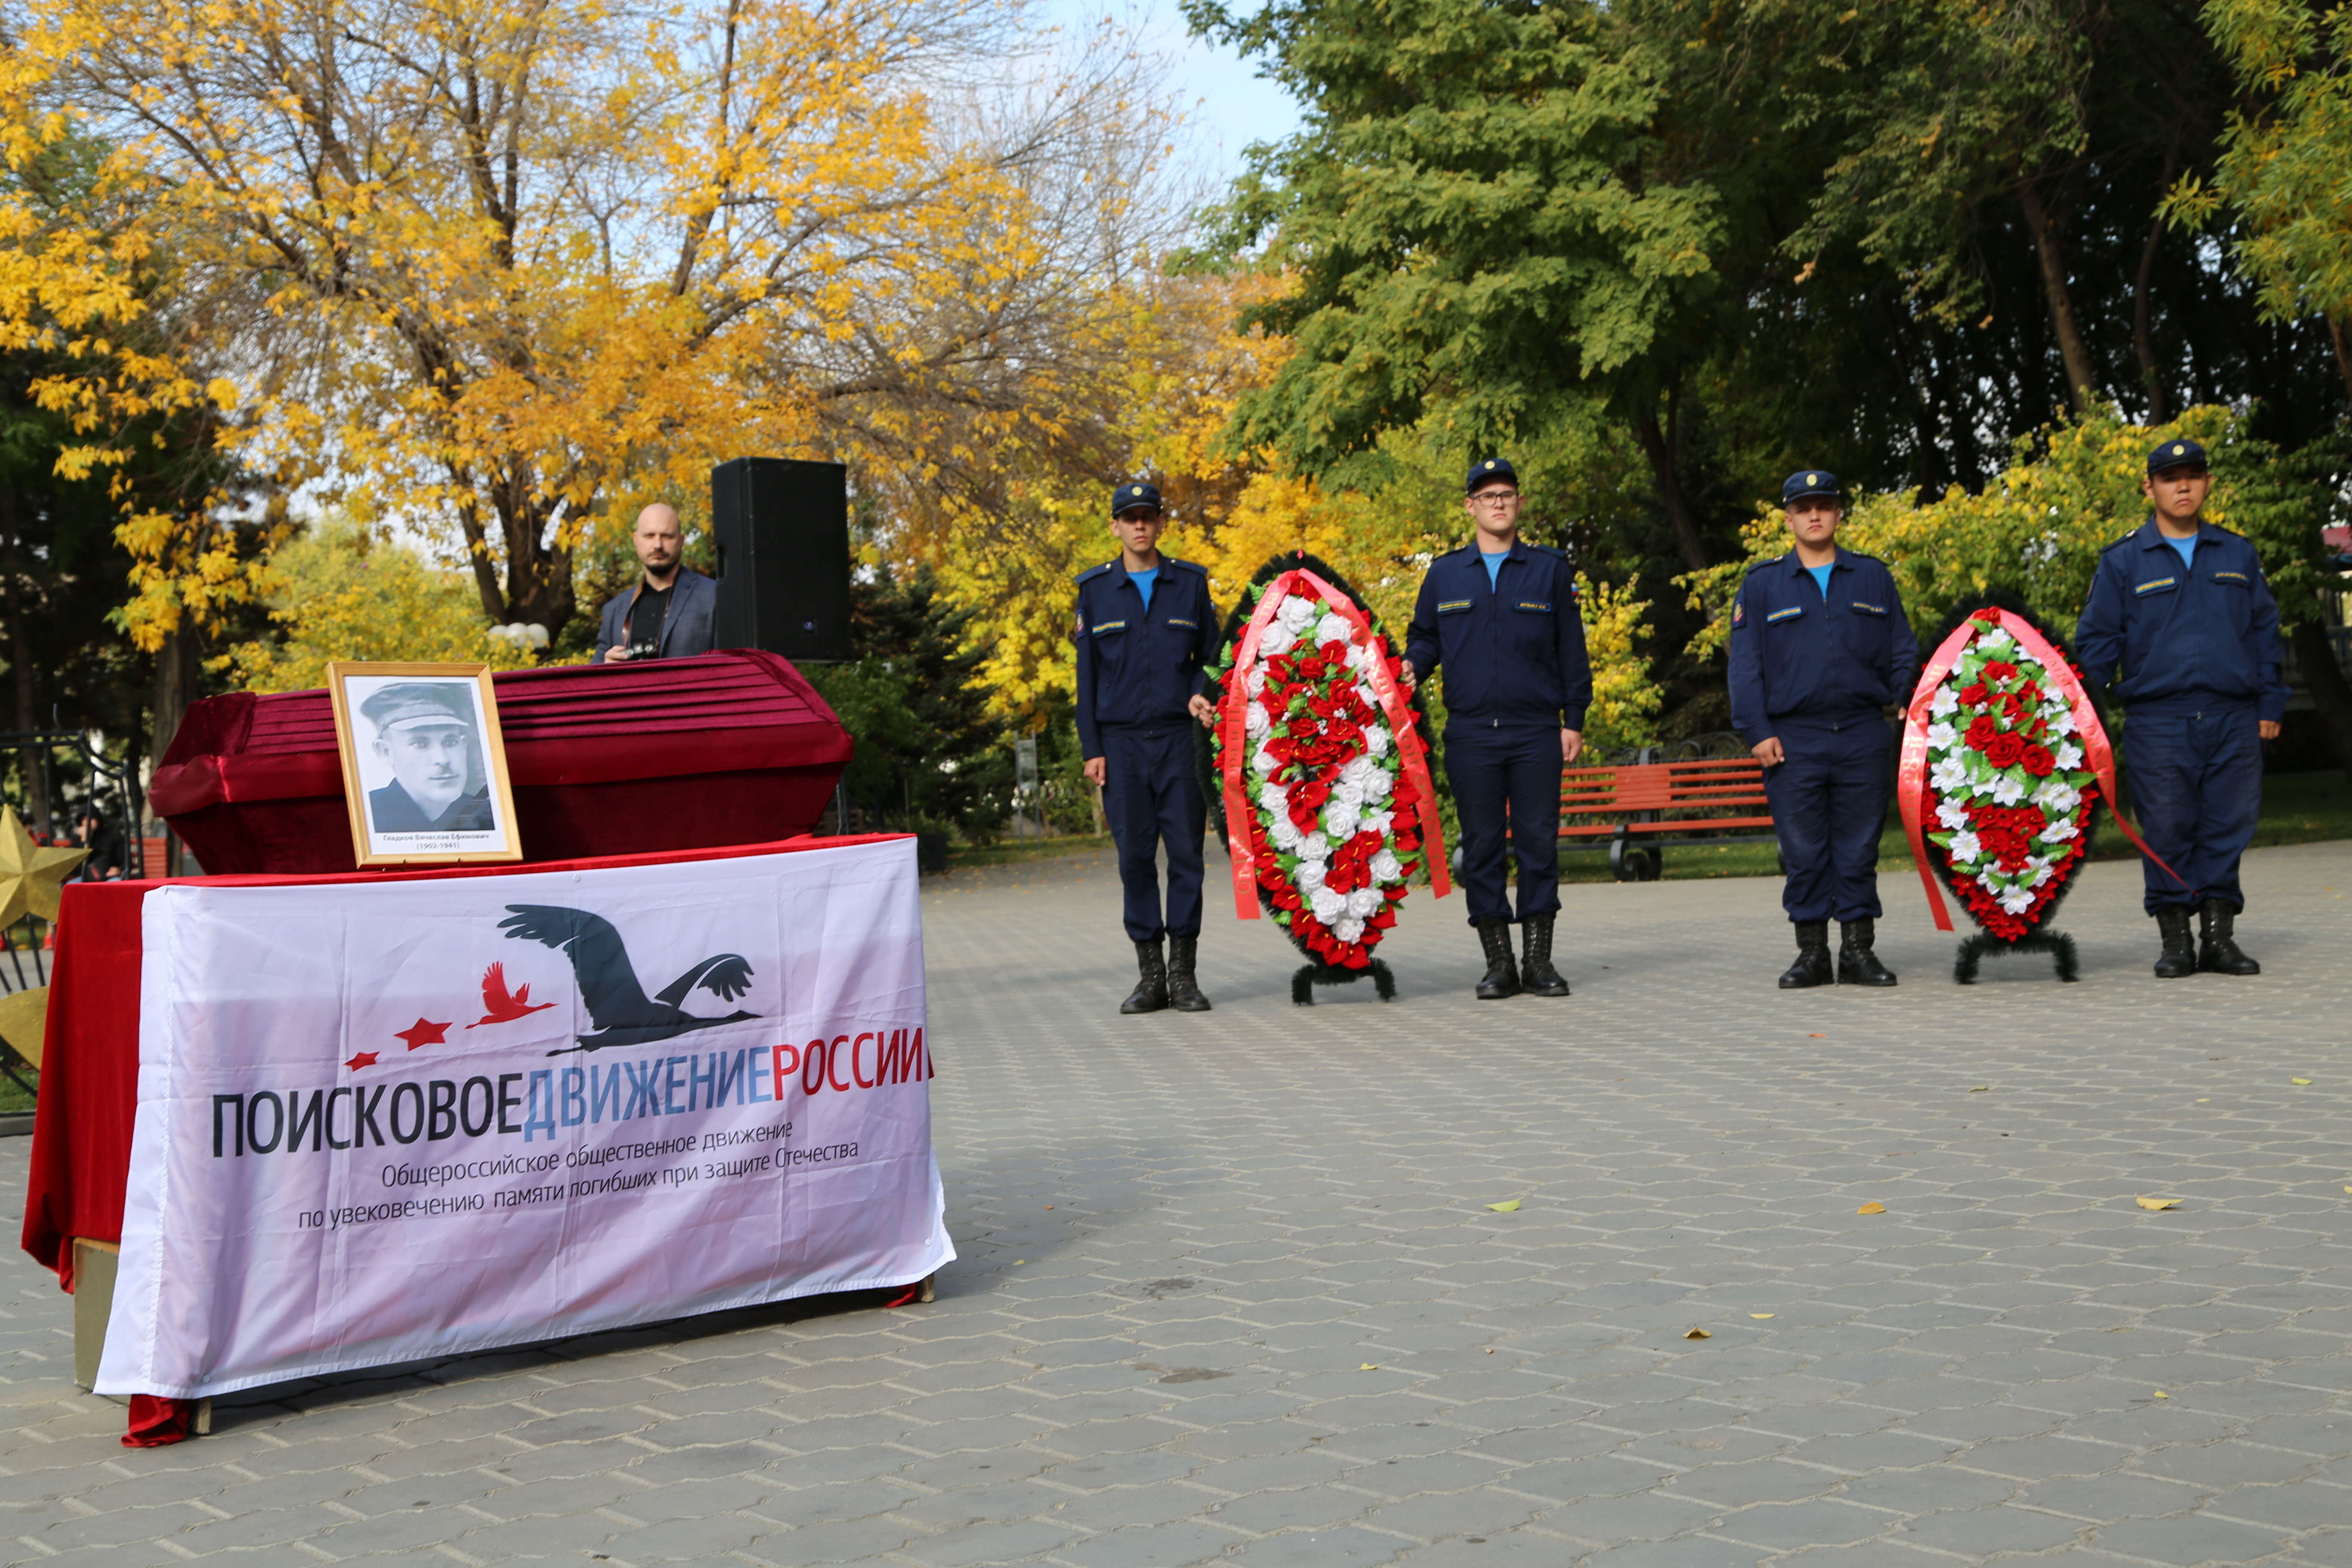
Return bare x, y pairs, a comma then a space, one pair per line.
1798, 655
1513, 652
2186, 635
1138, 665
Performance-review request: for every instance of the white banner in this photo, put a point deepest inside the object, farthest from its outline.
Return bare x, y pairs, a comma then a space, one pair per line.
384, 1122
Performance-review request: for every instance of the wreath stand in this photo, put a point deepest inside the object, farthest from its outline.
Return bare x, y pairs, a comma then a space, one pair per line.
1308, 976
2057, 943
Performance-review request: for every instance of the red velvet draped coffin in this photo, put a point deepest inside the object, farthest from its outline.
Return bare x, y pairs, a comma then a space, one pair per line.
688, 753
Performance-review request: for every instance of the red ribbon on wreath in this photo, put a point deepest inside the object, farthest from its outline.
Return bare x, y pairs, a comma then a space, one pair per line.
1911, 775
1234, 722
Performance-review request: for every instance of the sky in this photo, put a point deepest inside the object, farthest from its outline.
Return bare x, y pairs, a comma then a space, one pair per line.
1221, 94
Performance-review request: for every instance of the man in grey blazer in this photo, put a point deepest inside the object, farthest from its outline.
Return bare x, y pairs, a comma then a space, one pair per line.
667, 614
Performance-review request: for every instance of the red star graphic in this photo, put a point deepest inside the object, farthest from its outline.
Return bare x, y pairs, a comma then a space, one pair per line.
363, 1060
424, 1034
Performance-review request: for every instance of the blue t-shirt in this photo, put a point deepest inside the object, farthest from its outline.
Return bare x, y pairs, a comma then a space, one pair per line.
1494, 567
1822, 577
2187, 548
1143, 581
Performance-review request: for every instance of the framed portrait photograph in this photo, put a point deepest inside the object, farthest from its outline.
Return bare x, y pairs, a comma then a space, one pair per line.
424, 768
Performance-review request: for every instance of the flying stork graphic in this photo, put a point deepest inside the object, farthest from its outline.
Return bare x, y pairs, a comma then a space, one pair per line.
617, 1003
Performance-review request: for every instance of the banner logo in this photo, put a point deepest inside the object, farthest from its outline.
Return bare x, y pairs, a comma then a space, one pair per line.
617, 1003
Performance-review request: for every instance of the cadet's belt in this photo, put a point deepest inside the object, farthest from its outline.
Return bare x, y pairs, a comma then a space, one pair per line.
2199, 702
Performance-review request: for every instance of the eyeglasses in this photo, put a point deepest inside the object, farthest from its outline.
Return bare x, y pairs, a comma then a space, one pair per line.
1494, 497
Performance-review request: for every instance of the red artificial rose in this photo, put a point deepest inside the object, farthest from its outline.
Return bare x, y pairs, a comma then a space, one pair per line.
1975, 696
2001, 669
2002, 751
2011, 708
1990, 615
2039, 761
1981, 730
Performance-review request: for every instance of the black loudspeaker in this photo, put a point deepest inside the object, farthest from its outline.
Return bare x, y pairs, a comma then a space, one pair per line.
782, 530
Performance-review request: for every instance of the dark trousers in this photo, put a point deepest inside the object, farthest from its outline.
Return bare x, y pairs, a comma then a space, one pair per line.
1491, 769
2197, 788
1829, 805
1151, 792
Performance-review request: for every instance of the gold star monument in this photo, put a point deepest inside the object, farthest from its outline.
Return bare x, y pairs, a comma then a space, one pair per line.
30, 874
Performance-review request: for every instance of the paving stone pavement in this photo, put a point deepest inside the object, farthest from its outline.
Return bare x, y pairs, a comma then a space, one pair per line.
1231, 1287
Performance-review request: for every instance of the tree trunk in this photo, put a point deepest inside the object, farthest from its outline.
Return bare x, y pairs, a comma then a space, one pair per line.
174, 687
2080, 381
1659, 451
20, 658
2143, 337
2343, 352
2315, 656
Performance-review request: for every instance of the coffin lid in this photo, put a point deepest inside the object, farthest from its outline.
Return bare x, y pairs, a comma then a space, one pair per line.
721, 712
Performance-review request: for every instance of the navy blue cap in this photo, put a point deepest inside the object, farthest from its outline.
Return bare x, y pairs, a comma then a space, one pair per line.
1809, 482
2180, 452
1126, 498
1488, 471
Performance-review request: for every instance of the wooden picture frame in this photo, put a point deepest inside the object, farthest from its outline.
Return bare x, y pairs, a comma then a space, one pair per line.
400, 729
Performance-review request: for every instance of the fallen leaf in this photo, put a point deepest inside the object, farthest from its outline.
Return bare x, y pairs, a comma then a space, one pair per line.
1698, 1334
1370, 1366
2153, 1205
1817, 1037
1761, 1314
2303, 1080
1981, 1088
2348, 1189
1049, 1208
1490, 1349
2161, 1394
1019, 1261
1511, 1207
1872, 1208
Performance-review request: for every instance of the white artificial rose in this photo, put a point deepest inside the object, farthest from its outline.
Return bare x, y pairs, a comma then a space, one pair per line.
1964, 846
1327, 905
1940, 737
1284, 834
1348, 790
1378, 782
1379, 822
1274, 798
1365, 903
1256, 682
1376, 741
1951, 815
1349, 929
1386, 867
1297, 613
1946, 702
1332, 628
1339, 820
1264, 763
1315, 847
2007, 790
1256, 721
1310, 876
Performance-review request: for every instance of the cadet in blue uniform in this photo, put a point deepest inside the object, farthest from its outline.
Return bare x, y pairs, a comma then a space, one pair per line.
1146, 630
1820, 646
2183, 607
1501, 618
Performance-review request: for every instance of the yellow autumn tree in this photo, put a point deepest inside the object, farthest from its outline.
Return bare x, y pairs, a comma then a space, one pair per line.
499, 267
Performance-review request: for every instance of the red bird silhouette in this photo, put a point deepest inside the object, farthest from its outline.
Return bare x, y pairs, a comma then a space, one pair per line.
504, 1009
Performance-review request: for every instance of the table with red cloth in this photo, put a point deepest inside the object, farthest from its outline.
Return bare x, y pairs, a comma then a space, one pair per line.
89, 1077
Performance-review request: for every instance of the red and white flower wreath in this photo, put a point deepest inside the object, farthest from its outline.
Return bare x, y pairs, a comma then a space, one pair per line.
1325, 781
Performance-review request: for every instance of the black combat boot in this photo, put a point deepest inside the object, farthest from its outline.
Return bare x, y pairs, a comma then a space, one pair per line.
2217, 950
1857, 964
2179, 955
1151, 993
1183, 991
1536, 973
1502, 976
1812, 965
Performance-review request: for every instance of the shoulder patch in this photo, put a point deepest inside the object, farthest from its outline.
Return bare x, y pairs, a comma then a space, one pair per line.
1184, 565
1091, 573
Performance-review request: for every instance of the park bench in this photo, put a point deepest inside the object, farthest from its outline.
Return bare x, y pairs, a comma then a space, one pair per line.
1637, 808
